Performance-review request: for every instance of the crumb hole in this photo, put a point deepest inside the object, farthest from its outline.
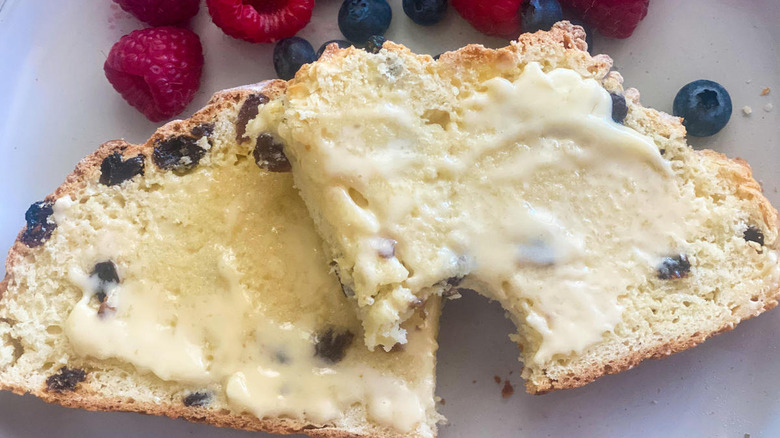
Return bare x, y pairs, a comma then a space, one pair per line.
53, 329
358, 198
437, 117
240, 159
16, 343
506, 287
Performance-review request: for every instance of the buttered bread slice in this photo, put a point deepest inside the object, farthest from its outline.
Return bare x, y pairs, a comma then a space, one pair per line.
183, 277
529, 175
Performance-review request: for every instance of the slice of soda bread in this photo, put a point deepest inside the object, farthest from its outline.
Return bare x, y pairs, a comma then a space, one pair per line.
527, 174
183, 277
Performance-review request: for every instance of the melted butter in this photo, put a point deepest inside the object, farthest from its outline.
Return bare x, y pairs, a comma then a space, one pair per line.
532, 189
592, 209
233, 291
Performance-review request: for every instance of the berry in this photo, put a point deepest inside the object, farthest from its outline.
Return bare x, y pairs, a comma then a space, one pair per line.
260, 21
540, 15
754, 234
332, 345
613, 18
161, 12
619, 107
156, 70
116, 170
290, 54
497, 17
425, 12
674, 267
374, 43
269, 154
360, 19
705, 107
343, 44
40, 224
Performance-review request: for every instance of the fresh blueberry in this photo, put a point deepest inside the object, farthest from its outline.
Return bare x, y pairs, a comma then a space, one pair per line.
425, 12
343, 44
290, 54
588, 32
619, 107
705, 107
374, 43
360, 19
540, 14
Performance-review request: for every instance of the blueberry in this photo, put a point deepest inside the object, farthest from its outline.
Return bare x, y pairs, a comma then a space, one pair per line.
540, 14
360, 19
374, 43
269, 154
588, 32
179, 154
65, 380
332, 344
40, 224
290, 54
343, 44
116, 170
197, 399
619, 107
705, 107
674, 267
425, 12
754, 234
248, 111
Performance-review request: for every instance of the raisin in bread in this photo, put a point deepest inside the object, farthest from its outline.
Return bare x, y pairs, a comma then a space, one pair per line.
527, 174
177, 278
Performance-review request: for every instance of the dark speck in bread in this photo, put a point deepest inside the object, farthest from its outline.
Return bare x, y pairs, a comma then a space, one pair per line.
65, 380
40, 224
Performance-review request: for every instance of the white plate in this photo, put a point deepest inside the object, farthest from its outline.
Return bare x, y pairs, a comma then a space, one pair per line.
56, 107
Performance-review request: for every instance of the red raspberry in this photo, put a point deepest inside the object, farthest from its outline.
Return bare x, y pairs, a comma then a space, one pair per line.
496, 17
161, 12
156, 70
260, 21
614, 18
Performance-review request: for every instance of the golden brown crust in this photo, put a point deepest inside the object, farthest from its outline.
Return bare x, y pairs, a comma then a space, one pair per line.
651, 352
83, 398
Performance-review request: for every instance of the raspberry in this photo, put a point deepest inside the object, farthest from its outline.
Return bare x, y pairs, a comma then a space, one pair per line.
613, 18
161, 12
260, 21
156, 70
498, 17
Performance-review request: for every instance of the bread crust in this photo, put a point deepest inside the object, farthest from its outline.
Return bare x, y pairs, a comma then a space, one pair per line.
83, 398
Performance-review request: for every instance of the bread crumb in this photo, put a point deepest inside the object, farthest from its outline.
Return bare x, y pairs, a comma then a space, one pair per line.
507, 390
497, 379
474, 381
748, 81
443, 402
768, 107
765, 91
747, 110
